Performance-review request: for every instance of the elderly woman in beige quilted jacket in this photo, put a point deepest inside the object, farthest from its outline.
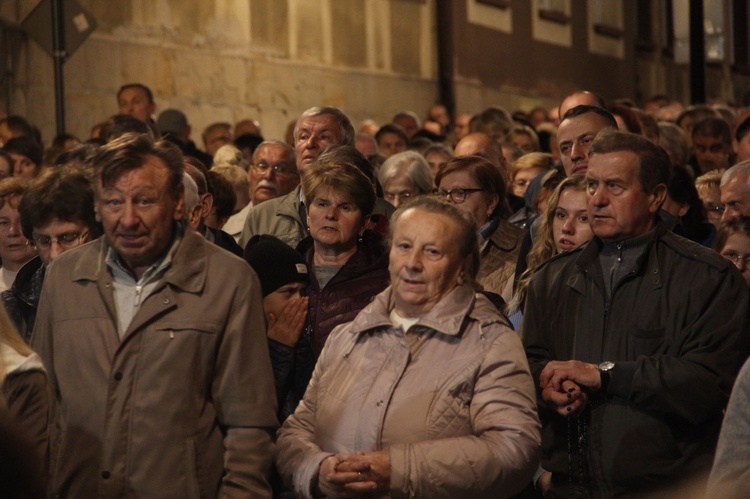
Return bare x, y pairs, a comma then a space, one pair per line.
427, 392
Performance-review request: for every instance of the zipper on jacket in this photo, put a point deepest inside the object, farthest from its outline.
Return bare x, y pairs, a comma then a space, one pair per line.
138, 290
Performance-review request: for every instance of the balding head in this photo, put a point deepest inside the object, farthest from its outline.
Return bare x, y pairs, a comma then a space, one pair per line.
482, 145
580, 98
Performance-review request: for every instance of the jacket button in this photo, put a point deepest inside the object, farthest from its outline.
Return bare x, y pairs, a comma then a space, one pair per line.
118, 376
165, 301
106, 474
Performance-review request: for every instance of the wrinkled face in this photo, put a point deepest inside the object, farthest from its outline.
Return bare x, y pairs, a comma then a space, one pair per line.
398, 190
23, 166
134, 102
267, 183
570, 225
216, 138
480, 204
274, 302
710, 153
314, 134
138, 214
424, 262
618, 208
737, 250
574, 136
15, 249
735, 196
57, 237
742, 148
390, 144
6, 169
335, 221
524, 177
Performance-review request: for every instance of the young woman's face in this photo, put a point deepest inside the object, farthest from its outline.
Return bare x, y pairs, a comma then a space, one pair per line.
570, 225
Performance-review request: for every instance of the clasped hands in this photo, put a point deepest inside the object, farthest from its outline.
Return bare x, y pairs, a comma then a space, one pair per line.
352, 475
566, 385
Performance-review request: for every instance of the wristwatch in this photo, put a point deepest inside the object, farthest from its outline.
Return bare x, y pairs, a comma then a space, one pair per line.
605, 373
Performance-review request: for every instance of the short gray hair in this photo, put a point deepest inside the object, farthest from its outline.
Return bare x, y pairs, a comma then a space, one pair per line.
347, 130
191, 198
739, 168
410, 164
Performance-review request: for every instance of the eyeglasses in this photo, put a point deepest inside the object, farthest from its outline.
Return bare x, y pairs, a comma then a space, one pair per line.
457, 195
65, 241
736, 259
263, 167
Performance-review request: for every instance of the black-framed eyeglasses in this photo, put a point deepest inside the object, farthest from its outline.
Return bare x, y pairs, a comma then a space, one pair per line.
457, 195
263, 167
66, 241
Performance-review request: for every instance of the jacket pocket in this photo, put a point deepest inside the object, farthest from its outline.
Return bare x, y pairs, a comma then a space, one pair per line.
449, 414
645, 341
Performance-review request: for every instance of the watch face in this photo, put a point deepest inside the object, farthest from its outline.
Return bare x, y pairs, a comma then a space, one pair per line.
606, 365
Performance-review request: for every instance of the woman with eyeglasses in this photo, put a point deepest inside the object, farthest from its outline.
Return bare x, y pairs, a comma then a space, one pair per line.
404, 175
475, 185
527, 168
733, 243
56, 215
15, 249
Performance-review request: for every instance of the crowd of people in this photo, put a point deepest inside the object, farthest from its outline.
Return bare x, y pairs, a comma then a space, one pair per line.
538, 304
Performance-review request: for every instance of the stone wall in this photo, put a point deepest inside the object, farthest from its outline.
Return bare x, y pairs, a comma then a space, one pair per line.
226, 60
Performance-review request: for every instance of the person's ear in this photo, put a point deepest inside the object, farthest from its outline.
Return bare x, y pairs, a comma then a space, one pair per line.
656, 198
207, 203
495, 200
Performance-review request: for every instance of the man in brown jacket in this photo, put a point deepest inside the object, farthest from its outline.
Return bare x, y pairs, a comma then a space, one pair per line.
154, 341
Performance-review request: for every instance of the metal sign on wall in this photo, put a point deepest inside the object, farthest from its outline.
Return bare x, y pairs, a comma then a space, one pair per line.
78, 25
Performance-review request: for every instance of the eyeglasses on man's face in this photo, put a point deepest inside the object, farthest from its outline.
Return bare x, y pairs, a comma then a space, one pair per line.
281, 168
457, 195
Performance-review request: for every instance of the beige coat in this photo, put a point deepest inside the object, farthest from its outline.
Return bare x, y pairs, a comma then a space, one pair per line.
458, 416
184, 405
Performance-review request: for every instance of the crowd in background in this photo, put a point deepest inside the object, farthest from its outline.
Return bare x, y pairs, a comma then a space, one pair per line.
333, 219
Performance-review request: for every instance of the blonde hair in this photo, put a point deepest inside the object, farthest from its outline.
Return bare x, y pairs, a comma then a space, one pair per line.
236, 176
10, 336
532, 160
544, 246
708, 182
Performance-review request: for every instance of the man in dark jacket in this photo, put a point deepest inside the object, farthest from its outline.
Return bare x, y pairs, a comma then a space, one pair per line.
634, 340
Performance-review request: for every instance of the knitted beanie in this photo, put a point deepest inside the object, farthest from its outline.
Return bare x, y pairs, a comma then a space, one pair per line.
276, 263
